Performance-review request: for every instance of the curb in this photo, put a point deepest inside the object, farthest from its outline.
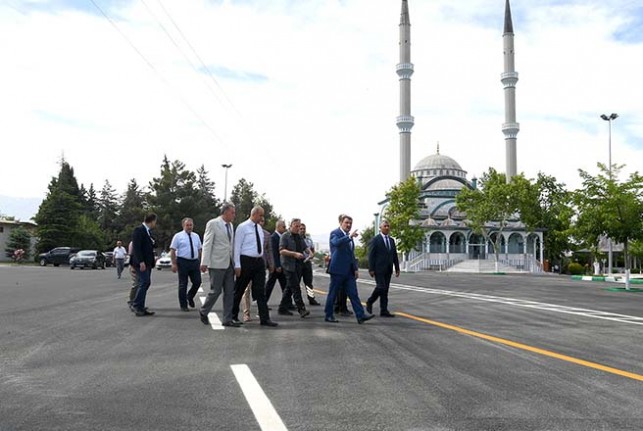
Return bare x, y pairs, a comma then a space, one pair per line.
609, 279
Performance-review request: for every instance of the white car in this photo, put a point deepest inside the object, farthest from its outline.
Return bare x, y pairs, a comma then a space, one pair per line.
164, 261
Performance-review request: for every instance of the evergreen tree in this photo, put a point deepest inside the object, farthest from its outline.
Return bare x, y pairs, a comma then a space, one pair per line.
19, 238
402, 210
131, 212
208, 206
245, 197
107, 210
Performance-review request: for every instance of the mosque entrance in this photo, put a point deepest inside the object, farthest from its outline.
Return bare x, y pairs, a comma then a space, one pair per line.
477, 247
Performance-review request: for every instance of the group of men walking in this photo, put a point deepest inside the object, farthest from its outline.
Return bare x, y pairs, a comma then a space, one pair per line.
237, 259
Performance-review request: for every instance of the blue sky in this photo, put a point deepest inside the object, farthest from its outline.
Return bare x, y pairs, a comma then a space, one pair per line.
308, 83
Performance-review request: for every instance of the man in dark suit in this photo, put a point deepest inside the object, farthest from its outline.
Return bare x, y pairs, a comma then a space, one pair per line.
382, 257
343, 271
277, 275
143, 259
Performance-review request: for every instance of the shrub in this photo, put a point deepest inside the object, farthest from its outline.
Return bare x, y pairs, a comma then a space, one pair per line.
576, 268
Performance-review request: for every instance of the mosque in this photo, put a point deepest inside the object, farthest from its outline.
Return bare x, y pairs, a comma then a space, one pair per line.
449, 244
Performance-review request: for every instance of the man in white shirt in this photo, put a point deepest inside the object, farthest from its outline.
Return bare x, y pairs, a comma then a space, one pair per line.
217, 260
119, 258
185, 252
249, 266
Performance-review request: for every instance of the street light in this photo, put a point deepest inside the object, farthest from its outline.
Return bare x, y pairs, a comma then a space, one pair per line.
613, 116
225, 189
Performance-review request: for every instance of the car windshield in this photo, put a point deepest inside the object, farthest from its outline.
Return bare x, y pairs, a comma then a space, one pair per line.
87, 253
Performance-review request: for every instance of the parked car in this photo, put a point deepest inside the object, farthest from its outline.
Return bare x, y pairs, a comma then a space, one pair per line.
57, 256
109, 258
164, 261
87, 259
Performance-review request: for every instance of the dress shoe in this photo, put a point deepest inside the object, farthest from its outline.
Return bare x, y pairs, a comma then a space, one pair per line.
191, 302
369, 307
285, 313
231, 324
204, 319
145, 312
331, 320
303, 313
313, 301
185, 309
365, 318
268, 323
237, 321
386, 314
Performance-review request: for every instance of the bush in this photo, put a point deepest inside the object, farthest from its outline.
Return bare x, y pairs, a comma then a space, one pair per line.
576, 268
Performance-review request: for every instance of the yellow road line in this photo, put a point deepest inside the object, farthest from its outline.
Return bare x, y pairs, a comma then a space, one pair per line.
520, 346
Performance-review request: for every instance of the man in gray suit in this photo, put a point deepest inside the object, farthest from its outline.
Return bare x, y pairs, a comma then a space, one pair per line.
217, 259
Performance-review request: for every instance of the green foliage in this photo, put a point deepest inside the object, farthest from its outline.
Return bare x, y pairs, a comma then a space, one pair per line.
130, 213
610, 208
403, 208
245, 197
88, 234
365, 238
107, 211
576, 268
19, 238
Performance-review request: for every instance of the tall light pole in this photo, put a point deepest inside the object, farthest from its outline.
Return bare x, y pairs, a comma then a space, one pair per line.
613, 116
225, 189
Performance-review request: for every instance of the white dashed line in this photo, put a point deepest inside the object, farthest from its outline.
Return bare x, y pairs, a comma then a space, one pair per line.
261, 406
215, 322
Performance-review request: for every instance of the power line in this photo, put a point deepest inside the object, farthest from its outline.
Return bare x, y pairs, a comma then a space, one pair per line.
196, 54
155, 70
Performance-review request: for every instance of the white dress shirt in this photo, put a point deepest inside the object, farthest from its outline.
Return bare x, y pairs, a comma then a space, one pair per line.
181, 243
245, 241
120, 252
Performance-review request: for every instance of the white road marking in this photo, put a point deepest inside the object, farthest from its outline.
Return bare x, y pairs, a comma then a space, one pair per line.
200, 290
596, 314
261, 406
215, 322
202, 298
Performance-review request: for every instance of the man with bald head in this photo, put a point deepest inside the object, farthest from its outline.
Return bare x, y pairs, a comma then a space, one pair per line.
249, 265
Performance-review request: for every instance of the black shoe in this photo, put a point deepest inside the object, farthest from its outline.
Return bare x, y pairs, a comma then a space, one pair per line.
237, 321
204, 318
185, 309
132, 308
303, 313
191, 302
346, 313
291, 307
313, 301
268, 323
331, 320
369, 307
285, 313
386, 314
231, 324
365, 318
145, 312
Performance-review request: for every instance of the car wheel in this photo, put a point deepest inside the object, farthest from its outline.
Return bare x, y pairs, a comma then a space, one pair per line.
56, 264
71, 266
43, 262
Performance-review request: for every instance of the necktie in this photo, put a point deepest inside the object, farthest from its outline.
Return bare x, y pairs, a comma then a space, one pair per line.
258, 239
227, 228
388, 245
191, 246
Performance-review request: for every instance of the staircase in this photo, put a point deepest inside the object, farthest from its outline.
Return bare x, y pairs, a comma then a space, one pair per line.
483, 266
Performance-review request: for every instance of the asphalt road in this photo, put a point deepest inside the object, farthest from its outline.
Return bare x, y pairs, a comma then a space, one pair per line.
543, 353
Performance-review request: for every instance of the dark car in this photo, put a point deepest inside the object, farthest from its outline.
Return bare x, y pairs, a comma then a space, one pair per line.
57, 256
87, 259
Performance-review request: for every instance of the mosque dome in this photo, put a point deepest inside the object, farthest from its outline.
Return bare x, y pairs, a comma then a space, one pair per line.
437, 161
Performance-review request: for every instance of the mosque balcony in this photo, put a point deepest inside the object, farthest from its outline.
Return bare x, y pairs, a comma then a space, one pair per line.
404, 70
510, 130
509, 79
405, 123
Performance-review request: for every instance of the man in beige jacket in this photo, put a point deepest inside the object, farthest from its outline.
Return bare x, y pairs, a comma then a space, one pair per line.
217, 259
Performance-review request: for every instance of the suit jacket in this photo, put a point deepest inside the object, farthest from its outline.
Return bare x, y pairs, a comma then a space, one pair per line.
380, 259
274, 240
342, 254
267, 249
217, 248
143, 247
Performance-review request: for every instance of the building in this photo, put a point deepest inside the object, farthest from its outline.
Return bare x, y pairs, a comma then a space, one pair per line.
8, 225
448, 241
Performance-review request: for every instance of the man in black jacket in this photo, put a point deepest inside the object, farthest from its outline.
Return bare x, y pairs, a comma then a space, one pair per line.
382, 257
143, 259
278, 273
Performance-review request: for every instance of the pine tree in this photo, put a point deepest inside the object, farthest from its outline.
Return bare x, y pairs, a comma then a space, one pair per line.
131, 211
107, 210
207, 204
19, 238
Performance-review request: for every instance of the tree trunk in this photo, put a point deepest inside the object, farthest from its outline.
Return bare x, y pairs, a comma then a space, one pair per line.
627, 265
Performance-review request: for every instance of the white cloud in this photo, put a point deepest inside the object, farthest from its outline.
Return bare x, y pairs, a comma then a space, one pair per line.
318, 135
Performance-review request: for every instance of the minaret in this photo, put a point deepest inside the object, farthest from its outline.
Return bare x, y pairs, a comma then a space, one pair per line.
404, 70
509, 79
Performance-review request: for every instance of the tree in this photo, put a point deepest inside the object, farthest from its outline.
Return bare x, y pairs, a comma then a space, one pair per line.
19, 238
546, 205
131, 211
88, 234
361, 251
208, 206
59, 212
245, 197
490, 207
611, 208
402, 211
107, 211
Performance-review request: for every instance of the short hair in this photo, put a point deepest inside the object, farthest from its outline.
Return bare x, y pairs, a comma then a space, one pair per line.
303, 224
341, 217
255, 210
345, 217
383, 222
226, 207
295, 220
280, 222
150, 218
185, 219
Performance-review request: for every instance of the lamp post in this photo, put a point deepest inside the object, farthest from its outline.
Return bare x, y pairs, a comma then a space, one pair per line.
376, 223
609, 118
225, 189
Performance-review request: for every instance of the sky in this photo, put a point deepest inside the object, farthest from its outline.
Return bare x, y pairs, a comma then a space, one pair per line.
301, 96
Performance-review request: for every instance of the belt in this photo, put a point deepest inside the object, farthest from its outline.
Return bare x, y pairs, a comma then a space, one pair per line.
252, 257
185, 258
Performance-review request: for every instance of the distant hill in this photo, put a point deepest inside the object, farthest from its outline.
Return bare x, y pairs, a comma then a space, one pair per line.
20, 208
